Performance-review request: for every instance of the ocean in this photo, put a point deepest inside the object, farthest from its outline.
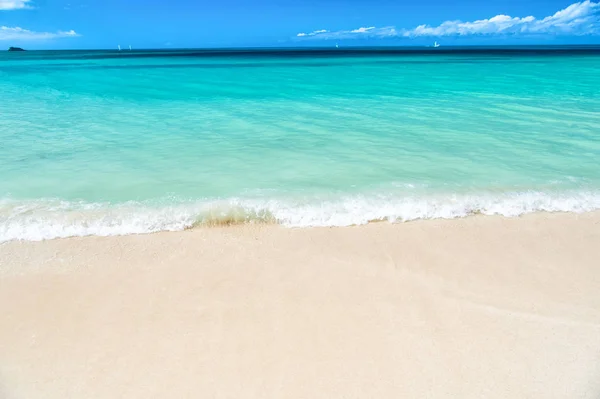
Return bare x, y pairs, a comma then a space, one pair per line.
111, 143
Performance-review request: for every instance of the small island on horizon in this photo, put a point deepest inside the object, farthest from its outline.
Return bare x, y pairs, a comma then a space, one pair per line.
15, 49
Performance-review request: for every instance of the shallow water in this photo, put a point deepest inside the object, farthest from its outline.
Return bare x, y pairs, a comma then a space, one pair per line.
111, 143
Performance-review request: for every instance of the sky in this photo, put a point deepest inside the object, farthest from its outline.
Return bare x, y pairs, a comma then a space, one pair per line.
104, 24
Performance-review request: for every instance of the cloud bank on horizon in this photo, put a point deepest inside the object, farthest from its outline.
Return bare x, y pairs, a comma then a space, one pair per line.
582, 18
16, 34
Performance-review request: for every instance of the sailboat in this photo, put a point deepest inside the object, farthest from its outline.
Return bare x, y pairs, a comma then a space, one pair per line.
119, 47
337, 45
436, 44
130, 47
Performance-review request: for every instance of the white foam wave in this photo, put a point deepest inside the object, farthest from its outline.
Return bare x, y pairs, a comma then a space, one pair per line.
48, 219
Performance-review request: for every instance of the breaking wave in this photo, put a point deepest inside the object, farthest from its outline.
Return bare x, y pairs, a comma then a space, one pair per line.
35, 220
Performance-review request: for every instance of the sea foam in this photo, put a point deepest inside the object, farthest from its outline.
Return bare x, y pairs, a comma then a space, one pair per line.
50, 218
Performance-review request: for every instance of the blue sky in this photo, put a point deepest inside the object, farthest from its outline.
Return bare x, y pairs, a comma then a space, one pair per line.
90, 24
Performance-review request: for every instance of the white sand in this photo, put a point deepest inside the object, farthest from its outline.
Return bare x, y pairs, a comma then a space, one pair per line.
483, 307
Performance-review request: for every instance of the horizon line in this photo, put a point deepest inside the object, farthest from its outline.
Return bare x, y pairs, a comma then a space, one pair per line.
322, 47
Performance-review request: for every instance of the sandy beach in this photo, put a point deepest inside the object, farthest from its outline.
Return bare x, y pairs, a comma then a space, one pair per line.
480, 307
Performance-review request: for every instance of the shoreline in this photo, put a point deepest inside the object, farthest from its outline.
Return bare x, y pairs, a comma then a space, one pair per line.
52, 218
252, 224
483, 306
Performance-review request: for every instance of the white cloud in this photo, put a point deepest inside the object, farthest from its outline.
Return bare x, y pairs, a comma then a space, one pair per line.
349, 34
314, 33
362, 30
14, 4
581, 18
20, 34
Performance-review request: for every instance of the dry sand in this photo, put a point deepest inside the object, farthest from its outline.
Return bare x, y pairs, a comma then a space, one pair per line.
483, 307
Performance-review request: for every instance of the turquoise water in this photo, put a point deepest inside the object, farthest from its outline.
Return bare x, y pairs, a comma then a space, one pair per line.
105, 143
